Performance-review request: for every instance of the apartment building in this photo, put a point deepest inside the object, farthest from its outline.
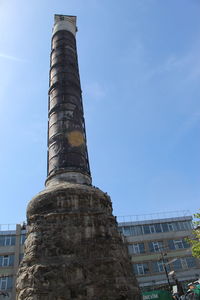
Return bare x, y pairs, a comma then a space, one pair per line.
12, 238
156, 245
159, 250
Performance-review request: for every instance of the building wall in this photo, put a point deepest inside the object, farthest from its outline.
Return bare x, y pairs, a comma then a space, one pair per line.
147, 248
158, 244
11, 251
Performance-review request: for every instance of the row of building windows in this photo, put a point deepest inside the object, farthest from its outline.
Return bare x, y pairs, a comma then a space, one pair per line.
10, 240
155, 228
6, 283
157, 246
158, 266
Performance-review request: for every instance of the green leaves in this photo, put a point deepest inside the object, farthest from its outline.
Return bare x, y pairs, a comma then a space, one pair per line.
195, 240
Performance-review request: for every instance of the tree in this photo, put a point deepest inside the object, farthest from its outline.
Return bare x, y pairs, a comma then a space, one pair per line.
195, 241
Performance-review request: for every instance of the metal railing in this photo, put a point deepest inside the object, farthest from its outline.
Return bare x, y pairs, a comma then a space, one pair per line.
153, 216
7, 227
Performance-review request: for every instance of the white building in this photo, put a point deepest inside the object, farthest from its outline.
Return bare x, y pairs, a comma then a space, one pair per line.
12, 238
153, 244
157, 246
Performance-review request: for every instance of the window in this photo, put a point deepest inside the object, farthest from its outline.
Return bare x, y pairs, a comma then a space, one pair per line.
157, 266
127, 230
160, 266
176, 226
191, 263
137, 230
141, 269
7, 240
3, 283
22, 239
165, 227
6, 260
146, 229
177, 265
136, 248
178, 244
152, 228
170, 226
158, 227
155, 246
184, 263
6, 283
149, 229
185, 225
132, 230
189, 225
171, 244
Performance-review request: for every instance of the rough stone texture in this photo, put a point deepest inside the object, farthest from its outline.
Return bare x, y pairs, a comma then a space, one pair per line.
67, 149
73, 249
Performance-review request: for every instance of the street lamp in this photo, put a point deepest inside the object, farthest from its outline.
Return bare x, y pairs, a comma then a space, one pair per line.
165, 268
179, 285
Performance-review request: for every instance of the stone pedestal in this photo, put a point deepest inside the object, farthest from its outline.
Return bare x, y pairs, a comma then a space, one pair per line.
73, 249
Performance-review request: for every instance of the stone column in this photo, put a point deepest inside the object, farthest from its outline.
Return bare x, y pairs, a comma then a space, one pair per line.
73, 248
67, 149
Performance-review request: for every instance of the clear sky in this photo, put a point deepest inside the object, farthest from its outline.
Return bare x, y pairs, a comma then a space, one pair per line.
140, 73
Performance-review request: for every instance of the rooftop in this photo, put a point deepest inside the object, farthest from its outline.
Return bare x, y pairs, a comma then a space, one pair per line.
161, 217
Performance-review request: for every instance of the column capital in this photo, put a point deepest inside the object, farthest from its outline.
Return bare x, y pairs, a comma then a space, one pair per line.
63, 22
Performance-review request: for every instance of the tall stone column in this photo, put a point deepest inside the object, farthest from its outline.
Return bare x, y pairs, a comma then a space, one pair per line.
67, 155
73, 248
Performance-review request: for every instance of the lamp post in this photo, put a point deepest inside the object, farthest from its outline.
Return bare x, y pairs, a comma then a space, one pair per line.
165, 268
178, 283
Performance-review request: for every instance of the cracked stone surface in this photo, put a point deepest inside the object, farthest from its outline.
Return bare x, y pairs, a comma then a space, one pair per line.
73, 248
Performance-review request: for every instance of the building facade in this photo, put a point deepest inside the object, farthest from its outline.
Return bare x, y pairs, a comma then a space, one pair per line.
156, 246
159, 251
12, 239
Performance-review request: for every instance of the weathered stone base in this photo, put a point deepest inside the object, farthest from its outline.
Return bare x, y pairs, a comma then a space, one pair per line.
73, 249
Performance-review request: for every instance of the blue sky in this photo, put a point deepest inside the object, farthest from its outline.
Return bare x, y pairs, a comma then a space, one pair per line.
140, 70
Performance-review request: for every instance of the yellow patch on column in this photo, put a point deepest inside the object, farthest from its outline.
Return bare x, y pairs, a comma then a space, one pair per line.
75, 138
